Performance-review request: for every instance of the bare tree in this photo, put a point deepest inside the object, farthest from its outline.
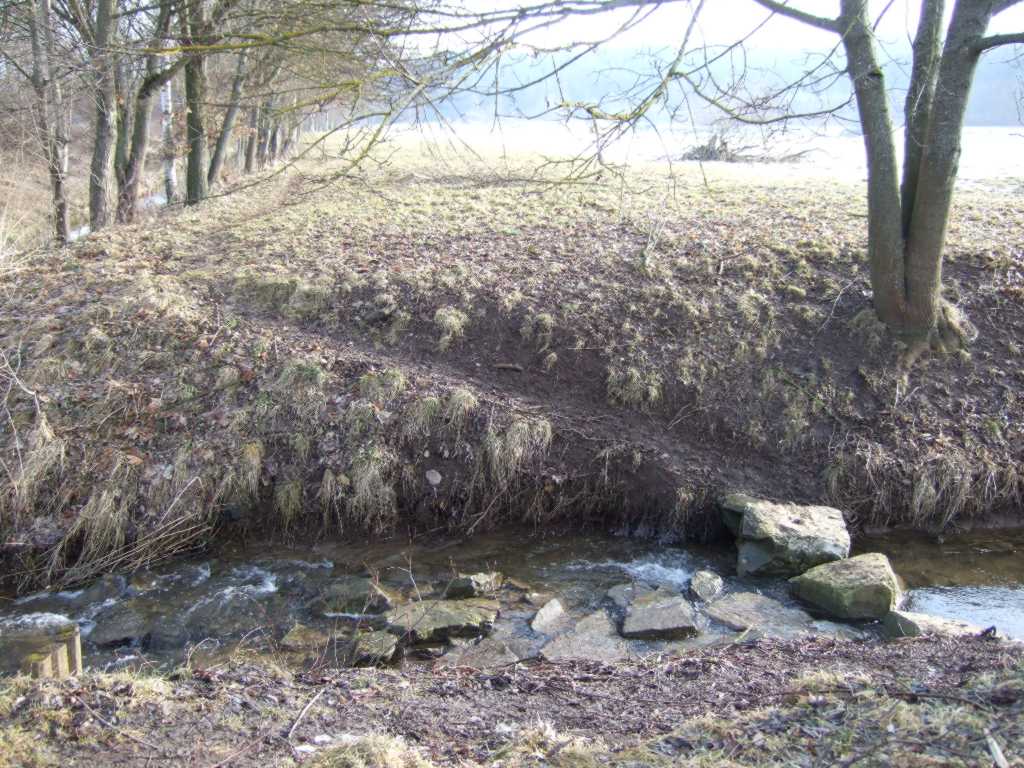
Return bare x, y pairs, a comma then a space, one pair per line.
50, 113
909, 208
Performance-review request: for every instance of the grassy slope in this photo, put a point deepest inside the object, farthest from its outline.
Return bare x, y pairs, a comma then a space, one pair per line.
918, 702
300, 353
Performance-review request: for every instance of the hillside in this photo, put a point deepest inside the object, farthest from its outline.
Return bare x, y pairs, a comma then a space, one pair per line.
437, 344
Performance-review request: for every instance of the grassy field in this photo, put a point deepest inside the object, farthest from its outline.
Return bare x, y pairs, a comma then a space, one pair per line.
292, 360
911, 703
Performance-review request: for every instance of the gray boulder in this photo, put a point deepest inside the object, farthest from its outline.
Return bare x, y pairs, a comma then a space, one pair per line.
303, 638
784, 539
440, 620
660, 615
353, 595
551, 618
594, 637
473, 585
706, 586
370, 648
908, 624
125, 623
863, 587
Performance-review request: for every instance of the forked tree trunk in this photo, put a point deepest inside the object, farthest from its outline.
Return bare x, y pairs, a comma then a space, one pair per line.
907, 221
133, 167
50, 118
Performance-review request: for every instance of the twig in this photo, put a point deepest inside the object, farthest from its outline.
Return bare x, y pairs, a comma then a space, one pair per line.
302, 714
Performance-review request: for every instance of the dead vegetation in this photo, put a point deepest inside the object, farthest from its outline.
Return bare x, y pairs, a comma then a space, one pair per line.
916, 702
532, 344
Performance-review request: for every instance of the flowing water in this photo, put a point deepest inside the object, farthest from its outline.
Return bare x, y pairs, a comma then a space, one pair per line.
251, 596
976, 577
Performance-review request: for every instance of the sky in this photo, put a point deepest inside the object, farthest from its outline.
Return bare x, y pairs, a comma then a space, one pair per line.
723, 21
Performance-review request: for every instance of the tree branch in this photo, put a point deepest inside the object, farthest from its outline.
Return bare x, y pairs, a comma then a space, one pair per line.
821, 22
1005, 5
994, 41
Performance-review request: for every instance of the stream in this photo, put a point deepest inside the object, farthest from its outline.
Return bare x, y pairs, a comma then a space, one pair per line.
249, 598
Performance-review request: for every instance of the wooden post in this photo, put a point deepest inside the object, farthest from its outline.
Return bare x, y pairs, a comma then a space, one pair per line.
41, 667
74, 652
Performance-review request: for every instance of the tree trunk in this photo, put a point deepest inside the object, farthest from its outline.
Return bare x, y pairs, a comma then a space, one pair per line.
251, 139
135, 165
219, 153
127, 102
167, 119
197, 165
263, 141
918, 105
50, 119
273, 143
939, 162
103, 63
885, 232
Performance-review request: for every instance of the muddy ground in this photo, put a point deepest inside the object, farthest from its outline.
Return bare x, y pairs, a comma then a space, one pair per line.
812, 702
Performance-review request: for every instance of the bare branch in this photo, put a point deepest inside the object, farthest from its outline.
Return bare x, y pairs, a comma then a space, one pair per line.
994, 41
821, 22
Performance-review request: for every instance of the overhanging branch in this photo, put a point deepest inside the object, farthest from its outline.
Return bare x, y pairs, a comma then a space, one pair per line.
821, 22
994, 41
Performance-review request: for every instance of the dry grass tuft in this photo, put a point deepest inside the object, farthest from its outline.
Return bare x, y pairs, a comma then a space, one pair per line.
102, 524
523, 444
251, 468
43, 459
288, 502
420, 417
373, 500
634, 388
382, 388
461, 404
372, 751
452, 324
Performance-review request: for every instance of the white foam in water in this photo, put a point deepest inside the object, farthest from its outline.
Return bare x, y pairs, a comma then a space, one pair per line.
662, 571
68, 594
35, 621
266, 582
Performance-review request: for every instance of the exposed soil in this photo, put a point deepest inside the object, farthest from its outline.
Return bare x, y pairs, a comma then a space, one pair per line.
294, 359
932, 702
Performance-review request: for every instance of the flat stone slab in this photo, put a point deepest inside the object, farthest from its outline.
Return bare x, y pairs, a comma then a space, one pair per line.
909, 624
660, 615
785, 539
744, 611
489, 653
624, 594
438, 620
706, 585
863, 587
594, 637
